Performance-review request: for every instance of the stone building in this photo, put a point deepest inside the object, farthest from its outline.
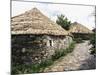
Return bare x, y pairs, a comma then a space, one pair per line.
35, 37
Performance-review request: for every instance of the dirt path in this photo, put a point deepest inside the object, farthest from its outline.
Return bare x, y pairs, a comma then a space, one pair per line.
79, 59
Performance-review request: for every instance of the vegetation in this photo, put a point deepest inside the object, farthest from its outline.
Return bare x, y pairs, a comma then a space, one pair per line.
93, 42
34, 68
78, 40
63, 21
63, 52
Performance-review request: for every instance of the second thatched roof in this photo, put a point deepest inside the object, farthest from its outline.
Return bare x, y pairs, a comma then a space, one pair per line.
79, 28
34, 22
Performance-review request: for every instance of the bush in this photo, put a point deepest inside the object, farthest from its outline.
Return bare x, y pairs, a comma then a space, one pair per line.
58, 54
71, 47
93, 42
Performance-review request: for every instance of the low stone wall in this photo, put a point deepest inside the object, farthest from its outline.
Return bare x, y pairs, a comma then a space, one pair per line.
31, 49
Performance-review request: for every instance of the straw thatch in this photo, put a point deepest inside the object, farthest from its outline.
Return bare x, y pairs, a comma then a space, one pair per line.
79, 28
34, 22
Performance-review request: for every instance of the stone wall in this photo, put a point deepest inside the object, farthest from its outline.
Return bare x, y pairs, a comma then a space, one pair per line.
29, 49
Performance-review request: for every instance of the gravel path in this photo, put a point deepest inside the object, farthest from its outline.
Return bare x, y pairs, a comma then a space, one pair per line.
79, 59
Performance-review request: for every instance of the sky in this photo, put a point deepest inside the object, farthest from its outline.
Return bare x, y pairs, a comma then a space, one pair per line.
74, 13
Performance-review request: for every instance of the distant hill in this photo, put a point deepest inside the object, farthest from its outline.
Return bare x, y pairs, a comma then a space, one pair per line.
79, 28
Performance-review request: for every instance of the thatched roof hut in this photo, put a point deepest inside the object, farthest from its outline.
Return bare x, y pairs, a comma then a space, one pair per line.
79, 28
34, 22
35, 34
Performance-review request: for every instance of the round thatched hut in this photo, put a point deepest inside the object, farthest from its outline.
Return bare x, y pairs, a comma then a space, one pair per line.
79, 31
36, 37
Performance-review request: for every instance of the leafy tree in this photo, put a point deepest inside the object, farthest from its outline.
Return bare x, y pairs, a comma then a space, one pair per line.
63, 21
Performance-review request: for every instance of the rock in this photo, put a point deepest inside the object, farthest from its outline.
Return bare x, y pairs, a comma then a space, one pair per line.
36, 58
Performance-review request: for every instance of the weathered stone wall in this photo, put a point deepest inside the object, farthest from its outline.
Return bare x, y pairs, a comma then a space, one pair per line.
27, 49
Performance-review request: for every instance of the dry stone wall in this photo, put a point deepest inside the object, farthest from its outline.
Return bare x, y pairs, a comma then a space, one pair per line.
31, 49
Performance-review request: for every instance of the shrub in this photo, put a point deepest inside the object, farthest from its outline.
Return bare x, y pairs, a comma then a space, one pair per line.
58, 54
93, 42
71, 47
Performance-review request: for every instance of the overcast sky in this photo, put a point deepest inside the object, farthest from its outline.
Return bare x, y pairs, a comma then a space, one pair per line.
81, 14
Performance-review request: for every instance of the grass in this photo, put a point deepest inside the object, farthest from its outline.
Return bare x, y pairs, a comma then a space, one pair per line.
33, 68
36, 68
63, 52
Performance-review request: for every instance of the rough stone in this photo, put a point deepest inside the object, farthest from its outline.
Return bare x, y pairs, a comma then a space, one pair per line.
37, 47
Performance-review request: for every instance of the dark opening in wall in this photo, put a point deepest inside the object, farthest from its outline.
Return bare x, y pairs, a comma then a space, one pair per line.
50, 41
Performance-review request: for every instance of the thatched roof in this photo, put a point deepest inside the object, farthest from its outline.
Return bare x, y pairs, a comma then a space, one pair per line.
34, 22
79, 28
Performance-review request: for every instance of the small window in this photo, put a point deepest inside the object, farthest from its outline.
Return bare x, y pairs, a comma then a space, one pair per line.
51, 42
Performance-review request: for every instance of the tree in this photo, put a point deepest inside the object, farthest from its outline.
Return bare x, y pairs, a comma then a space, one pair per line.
63, 21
